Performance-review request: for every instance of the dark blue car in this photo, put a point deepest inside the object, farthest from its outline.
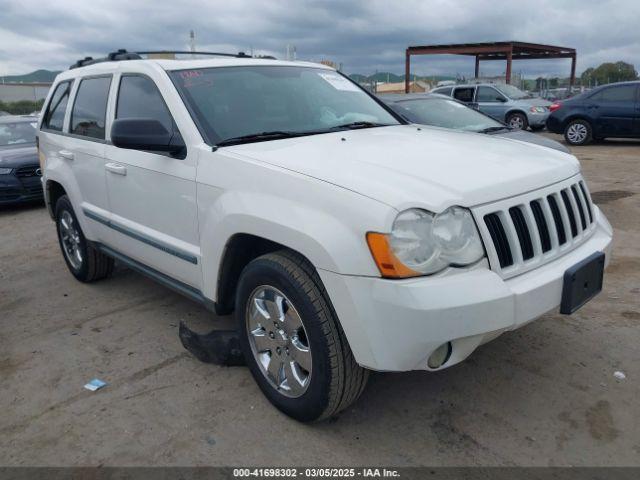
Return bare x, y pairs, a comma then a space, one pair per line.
19, 167
609, 111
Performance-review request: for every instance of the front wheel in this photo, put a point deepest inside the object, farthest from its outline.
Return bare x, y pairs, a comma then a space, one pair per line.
578, 132
517, 121
292, 339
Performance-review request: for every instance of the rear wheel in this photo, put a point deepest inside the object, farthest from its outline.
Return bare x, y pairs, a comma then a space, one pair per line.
517, 121
292, 340
578, 132
85, 262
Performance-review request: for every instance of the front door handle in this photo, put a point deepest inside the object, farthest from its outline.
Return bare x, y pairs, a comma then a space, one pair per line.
66, 154
116, 168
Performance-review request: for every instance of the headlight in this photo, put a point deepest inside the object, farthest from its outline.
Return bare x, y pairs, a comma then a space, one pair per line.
5, 171
538, 109
421, 243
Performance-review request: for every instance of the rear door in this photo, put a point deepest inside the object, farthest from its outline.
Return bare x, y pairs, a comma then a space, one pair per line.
464, 94
491, 102
613, 110
74, 143
153, 195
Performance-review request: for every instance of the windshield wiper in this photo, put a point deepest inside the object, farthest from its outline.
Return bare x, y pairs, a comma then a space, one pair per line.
259, 137
355, 125
494, 129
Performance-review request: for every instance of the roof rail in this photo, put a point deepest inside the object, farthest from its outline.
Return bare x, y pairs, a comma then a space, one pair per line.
123, 54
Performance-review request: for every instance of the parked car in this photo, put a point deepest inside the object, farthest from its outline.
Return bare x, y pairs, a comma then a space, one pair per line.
343, 238
609, 111
441, 111
19, 167
505, 103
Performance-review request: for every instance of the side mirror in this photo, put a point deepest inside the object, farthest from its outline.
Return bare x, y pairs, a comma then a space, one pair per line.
145, 134
501, 99
473, 105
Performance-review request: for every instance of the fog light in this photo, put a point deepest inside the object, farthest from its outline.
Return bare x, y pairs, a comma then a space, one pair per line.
440, 355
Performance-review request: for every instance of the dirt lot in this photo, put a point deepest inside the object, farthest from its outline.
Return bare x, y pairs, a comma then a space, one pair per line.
543, 395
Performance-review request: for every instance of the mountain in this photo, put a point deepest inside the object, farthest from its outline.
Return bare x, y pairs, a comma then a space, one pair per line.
44, 76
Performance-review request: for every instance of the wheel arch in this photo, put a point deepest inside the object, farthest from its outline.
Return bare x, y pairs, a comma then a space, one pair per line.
53, 191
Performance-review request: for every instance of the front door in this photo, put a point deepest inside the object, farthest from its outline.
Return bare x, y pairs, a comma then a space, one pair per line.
614, 110
152, 195
491, 102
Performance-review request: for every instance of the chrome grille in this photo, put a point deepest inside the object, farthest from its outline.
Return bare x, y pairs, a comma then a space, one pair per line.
28, 171
524, 232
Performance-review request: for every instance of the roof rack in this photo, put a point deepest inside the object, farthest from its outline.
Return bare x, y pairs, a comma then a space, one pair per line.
123, 54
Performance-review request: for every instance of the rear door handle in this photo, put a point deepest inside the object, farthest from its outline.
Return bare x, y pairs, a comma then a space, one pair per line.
66, 154
116, 168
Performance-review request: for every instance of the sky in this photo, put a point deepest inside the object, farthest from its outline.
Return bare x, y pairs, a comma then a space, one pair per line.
364, 35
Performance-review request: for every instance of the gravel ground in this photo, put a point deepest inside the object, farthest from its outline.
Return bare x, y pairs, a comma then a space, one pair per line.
543, 395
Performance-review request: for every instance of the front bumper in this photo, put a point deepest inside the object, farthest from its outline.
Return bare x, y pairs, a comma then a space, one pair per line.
15, 190
395, 325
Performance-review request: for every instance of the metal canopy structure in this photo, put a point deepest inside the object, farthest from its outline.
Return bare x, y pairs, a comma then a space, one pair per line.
508, 51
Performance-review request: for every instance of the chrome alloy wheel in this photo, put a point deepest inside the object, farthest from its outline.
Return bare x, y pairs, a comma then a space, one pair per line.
278, 341
577, 133
516, 122
70, 240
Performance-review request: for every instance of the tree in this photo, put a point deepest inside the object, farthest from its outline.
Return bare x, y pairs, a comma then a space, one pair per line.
609, 73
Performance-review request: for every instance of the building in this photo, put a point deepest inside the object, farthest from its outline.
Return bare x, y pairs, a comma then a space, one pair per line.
15, 92
416, 86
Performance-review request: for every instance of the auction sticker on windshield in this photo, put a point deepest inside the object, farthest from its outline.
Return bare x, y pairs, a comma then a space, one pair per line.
338, 82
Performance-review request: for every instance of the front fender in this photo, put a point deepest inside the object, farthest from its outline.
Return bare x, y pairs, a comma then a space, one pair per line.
325, 223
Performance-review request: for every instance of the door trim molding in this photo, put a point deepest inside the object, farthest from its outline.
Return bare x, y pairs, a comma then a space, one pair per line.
171, 250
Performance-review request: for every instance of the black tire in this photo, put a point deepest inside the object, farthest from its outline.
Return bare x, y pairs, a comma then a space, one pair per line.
536, 128
578, 125
94, 265
336, 380
521, 119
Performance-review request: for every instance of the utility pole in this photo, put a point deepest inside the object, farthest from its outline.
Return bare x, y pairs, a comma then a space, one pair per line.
192, 40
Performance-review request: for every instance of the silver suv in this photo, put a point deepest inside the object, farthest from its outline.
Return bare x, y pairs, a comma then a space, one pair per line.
505, 103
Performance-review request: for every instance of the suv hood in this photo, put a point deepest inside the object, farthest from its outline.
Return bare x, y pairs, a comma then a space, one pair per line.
404, 166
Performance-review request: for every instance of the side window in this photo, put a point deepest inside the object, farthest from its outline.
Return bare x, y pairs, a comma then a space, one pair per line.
138, 97
488, 94
464, 94
623, 93
54, 115
444, 91
89, 112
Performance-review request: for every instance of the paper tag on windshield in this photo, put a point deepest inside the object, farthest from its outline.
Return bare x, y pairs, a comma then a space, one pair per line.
339, 83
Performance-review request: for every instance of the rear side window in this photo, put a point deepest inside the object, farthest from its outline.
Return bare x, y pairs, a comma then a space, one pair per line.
89, 112
54, 115
464, 94
138, 97
623, 93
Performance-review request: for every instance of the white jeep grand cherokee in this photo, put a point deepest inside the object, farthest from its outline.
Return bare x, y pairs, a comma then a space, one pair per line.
344, 239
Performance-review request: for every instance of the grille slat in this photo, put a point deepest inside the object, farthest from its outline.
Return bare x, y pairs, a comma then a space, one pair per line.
500, 241
524, 237
583, 219
570, 213
557, 219
28, 171
533, 230
541, 222
586, 200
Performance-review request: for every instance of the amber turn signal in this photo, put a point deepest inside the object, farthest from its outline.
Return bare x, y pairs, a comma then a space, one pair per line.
387, 262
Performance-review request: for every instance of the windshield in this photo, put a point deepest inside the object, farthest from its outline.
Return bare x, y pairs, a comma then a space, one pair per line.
16, 133
441, 112
512, 92
232, 102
